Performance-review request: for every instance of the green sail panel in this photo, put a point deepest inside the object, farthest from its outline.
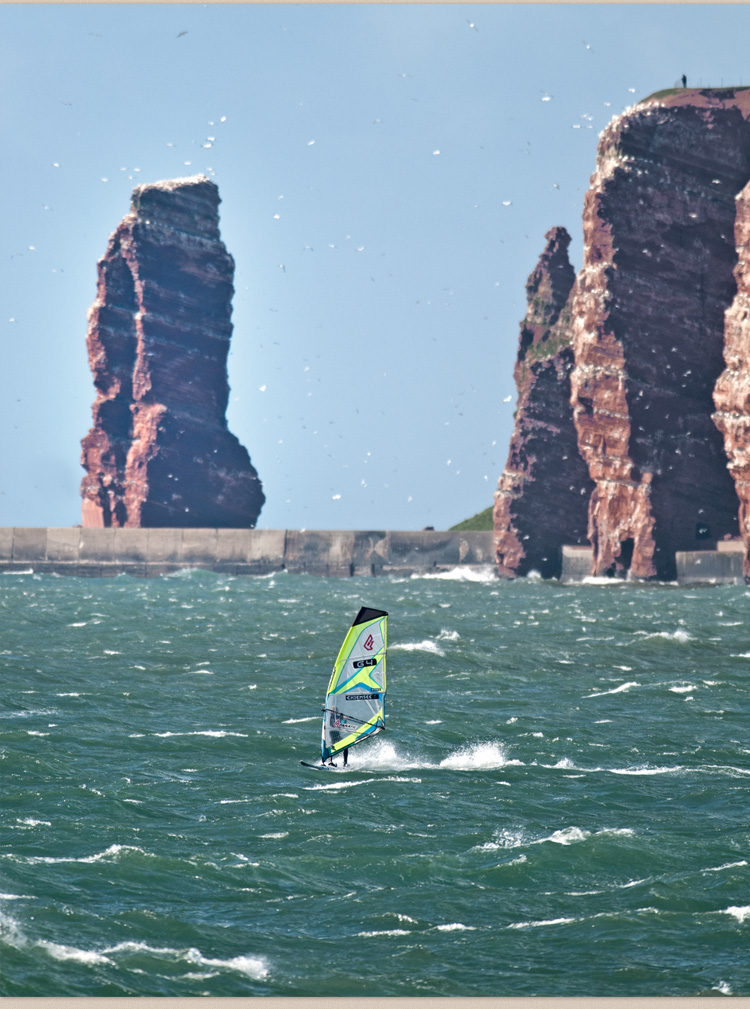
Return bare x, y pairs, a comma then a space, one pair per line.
355, 701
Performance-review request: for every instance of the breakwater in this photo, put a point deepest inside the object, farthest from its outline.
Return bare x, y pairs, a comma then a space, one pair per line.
722, 566
150, 552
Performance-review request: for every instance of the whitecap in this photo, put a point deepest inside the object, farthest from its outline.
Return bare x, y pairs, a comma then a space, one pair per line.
336, 785
541, 924
683, 690
569, 835
646, 770
112, 852
678, 635
213, 733
418, 646
253, 966
280, 834
729, 865
477, 757
484, 574
387, 931
623, 688
295, 721
740, 913
456, 927
60, 952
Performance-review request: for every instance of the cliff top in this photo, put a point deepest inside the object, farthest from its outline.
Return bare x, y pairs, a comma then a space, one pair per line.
189, 204
705, 98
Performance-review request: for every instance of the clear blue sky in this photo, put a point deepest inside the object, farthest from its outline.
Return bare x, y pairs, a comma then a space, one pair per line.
387, 175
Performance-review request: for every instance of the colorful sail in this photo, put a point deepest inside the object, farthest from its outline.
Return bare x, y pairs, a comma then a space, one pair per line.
355, 701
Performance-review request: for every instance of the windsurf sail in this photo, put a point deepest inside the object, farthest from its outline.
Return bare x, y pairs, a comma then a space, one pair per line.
355, 701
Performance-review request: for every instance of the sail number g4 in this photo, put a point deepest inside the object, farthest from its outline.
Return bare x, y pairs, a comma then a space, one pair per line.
361, 663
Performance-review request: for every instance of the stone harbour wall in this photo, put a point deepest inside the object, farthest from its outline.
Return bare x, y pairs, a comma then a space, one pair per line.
722, 566
102, 552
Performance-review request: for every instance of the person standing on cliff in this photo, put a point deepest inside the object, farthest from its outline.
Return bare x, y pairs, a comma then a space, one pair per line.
684, 81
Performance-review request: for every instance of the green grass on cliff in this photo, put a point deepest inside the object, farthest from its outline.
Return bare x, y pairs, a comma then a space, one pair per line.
676, 91
479, 523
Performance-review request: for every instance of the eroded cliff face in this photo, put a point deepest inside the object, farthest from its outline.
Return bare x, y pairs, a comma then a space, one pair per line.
648, 328
159, 452
542, 496
732, 392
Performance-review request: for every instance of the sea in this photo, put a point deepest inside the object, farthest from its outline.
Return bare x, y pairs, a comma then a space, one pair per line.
558, 806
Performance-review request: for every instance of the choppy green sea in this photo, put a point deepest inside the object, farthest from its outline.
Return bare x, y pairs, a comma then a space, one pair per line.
558, 807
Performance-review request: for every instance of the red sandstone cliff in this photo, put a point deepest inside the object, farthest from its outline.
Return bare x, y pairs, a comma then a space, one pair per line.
732, 392
542, 496
648, 328
159, 452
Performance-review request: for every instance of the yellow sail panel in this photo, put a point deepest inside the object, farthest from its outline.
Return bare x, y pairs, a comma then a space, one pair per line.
355, 701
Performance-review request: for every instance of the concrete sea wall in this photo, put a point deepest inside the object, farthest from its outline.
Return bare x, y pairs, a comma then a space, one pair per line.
149, 552
722, 566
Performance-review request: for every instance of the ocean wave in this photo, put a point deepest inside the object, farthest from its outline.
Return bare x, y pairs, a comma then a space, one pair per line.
212, 733
645, 770
255, 967
112, 853
60, 952
485, 575
382, 755
455, 926
478, 756
679, 635
510, 839
417, 646
385, 931
11, 934
337, 785
542, 924
623, 688
740, 913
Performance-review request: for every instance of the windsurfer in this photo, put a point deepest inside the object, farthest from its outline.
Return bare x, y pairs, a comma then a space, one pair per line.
346, 758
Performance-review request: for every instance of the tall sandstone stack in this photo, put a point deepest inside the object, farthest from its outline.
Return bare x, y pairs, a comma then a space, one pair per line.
732, 392
542, 496
159, 452
648, 327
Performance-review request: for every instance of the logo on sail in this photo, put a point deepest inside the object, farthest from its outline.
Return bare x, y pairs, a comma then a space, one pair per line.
369, 643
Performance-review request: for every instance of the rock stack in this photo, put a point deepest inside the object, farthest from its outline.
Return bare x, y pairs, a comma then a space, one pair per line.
159, 452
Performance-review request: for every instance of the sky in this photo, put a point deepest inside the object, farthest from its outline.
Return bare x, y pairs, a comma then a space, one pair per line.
387, 174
